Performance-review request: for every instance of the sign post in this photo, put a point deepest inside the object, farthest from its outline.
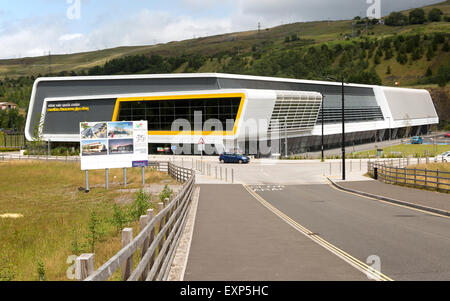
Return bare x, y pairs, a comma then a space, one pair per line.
201, 144
87, 182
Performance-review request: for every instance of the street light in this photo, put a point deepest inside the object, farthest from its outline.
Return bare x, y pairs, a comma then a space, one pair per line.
323, 126
390, 148
343, 126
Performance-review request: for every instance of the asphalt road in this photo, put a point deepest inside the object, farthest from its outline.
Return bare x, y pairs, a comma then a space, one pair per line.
411, 245
237, 238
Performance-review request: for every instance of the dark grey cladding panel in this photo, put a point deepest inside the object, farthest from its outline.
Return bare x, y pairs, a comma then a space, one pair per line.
69, 122
69, 88
355, 96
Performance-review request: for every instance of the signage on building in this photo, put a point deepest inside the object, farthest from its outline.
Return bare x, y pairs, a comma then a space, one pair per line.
113, 144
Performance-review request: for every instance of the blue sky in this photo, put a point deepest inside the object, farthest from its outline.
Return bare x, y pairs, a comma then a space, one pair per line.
35, 27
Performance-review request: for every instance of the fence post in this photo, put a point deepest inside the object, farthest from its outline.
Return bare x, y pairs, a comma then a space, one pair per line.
151, 216
426, 180
415, 177
144, 220
232, 176
84, 266
437, 179
226, 175
127, 237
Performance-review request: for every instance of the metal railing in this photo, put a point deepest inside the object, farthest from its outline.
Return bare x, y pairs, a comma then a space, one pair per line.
157, 240
395, 171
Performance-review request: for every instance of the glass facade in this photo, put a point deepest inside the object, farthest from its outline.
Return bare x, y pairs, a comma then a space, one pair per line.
160, 114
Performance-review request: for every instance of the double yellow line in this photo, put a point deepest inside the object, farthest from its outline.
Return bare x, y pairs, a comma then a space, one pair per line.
361, 266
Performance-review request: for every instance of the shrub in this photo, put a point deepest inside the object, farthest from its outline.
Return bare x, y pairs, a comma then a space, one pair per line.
165, 194
120, 218
140, 205
435, 15
7, 273
417, 16
95, 232
41, 270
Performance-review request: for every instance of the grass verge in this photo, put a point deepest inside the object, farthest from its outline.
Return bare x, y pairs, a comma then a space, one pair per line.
56, 216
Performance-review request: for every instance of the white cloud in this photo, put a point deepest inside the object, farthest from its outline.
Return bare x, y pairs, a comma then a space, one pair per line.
34, 37
70, 37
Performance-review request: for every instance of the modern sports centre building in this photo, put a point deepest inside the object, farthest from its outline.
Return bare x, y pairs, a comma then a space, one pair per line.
280, 107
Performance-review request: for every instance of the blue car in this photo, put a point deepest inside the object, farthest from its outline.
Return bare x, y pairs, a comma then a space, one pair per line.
234, 158
416, 140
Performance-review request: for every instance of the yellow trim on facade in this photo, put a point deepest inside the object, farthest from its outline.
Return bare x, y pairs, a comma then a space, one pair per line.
177, 97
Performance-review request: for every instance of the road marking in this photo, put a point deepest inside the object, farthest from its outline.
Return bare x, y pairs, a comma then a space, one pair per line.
356, 263
262, 188
386, 202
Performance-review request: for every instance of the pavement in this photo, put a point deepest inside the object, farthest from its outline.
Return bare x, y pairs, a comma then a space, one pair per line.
408, 244
426, 198
237, 238
288, 172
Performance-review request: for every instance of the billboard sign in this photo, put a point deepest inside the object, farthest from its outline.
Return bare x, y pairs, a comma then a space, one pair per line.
113, 144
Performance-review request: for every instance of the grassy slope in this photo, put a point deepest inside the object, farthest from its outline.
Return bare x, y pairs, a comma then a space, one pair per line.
56, 214
320, 32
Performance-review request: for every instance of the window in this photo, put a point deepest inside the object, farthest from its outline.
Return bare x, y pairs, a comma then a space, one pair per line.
160, 114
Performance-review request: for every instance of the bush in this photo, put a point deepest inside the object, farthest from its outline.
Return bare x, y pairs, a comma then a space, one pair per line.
396, 19
8, 149
165, 194
140, 205
41, 270
435, 15
7, 273
120, 218
417, 16
95, 231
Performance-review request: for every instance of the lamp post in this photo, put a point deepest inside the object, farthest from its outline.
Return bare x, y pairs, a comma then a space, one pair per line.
285, 136
323, 126
343, 125
343, 130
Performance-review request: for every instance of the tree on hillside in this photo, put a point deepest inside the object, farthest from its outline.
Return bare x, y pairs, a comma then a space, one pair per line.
396, 19
430, 53
446, 47
365, 77
435, 15
417, 16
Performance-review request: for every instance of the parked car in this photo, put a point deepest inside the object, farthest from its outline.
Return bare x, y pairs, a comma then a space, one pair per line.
447, 135
445, 157
234, 158
417, 140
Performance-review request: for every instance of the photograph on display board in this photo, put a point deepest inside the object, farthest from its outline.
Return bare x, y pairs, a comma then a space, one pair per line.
121, 147
94, 147
93, 130
120, 130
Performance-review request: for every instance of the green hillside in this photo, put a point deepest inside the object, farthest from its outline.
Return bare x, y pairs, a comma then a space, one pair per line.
361, 50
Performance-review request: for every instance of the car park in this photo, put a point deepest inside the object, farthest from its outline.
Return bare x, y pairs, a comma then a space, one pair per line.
444, 157
234, 158
417, 140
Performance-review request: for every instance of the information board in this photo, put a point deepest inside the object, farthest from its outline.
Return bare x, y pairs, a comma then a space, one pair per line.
121, 144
